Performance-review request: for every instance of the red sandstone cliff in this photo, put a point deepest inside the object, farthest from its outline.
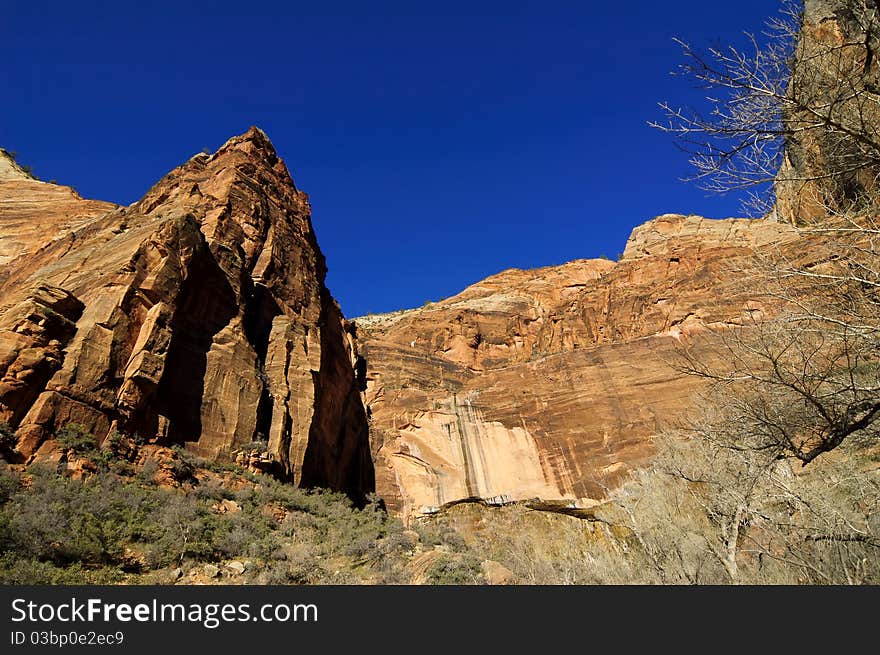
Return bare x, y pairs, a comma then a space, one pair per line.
549, 383
196, 316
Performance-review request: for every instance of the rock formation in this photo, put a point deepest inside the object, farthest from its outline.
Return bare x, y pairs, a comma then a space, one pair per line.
829, 164
197, 316
549, 383
60, 210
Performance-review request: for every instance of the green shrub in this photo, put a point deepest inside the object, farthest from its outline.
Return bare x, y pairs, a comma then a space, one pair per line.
9, 485
15, 571
7, 438
148, 472
115, 527
74, 437
65, 521
180, 528
435, 531
118, 444
184, 465
299, 568
259, 444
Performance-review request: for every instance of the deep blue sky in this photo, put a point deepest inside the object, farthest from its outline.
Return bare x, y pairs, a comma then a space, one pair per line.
439, 142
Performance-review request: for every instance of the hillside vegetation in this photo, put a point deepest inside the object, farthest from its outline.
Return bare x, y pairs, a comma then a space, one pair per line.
128, 514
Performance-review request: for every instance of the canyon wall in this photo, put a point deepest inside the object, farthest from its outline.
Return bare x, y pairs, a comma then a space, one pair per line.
199, 316
35, 212
549, 383
565, 373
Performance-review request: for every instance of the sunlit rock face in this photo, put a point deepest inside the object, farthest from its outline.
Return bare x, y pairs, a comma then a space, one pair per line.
565, 373
34, 213
836, 75
472, 459
549, 383
197, 316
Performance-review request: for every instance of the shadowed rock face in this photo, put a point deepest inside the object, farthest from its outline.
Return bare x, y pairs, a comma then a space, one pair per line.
549, 383
197, 315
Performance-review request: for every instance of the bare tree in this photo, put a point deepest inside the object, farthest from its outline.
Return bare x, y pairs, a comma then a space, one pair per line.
775, 476
710, 511
805, 373
798, 385
791, 119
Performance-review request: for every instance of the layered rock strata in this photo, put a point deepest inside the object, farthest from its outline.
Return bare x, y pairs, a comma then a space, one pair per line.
549, 383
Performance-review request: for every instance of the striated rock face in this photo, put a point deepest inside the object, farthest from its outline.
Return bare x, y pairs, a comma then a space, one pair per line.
548, 383
34, 213
10, 169
196, 316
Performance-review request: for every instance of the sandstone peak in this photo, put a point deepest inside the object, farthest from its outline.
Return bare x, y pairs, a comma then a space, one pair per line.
196, 316
256, 136
255, 143
250, 155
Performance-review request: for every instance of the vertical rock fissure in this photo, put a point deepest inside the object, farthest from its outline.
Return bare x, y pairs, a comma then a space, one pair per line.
207, 304
260, 310
337, 454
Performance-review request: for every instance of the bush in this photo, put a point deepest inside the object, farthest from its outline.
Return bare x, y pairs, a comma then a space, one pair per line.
301, 568
455, 570
434, 531
184, 465
74, 437
113, 527
9, 485
180, 528
148, 472
14, 571
260, 444
118, 444
67, 521
7, 438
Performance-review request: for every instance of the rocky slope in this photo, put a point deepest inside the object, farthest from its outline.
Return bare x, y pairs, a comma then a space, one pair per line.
196, 316
549, 383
